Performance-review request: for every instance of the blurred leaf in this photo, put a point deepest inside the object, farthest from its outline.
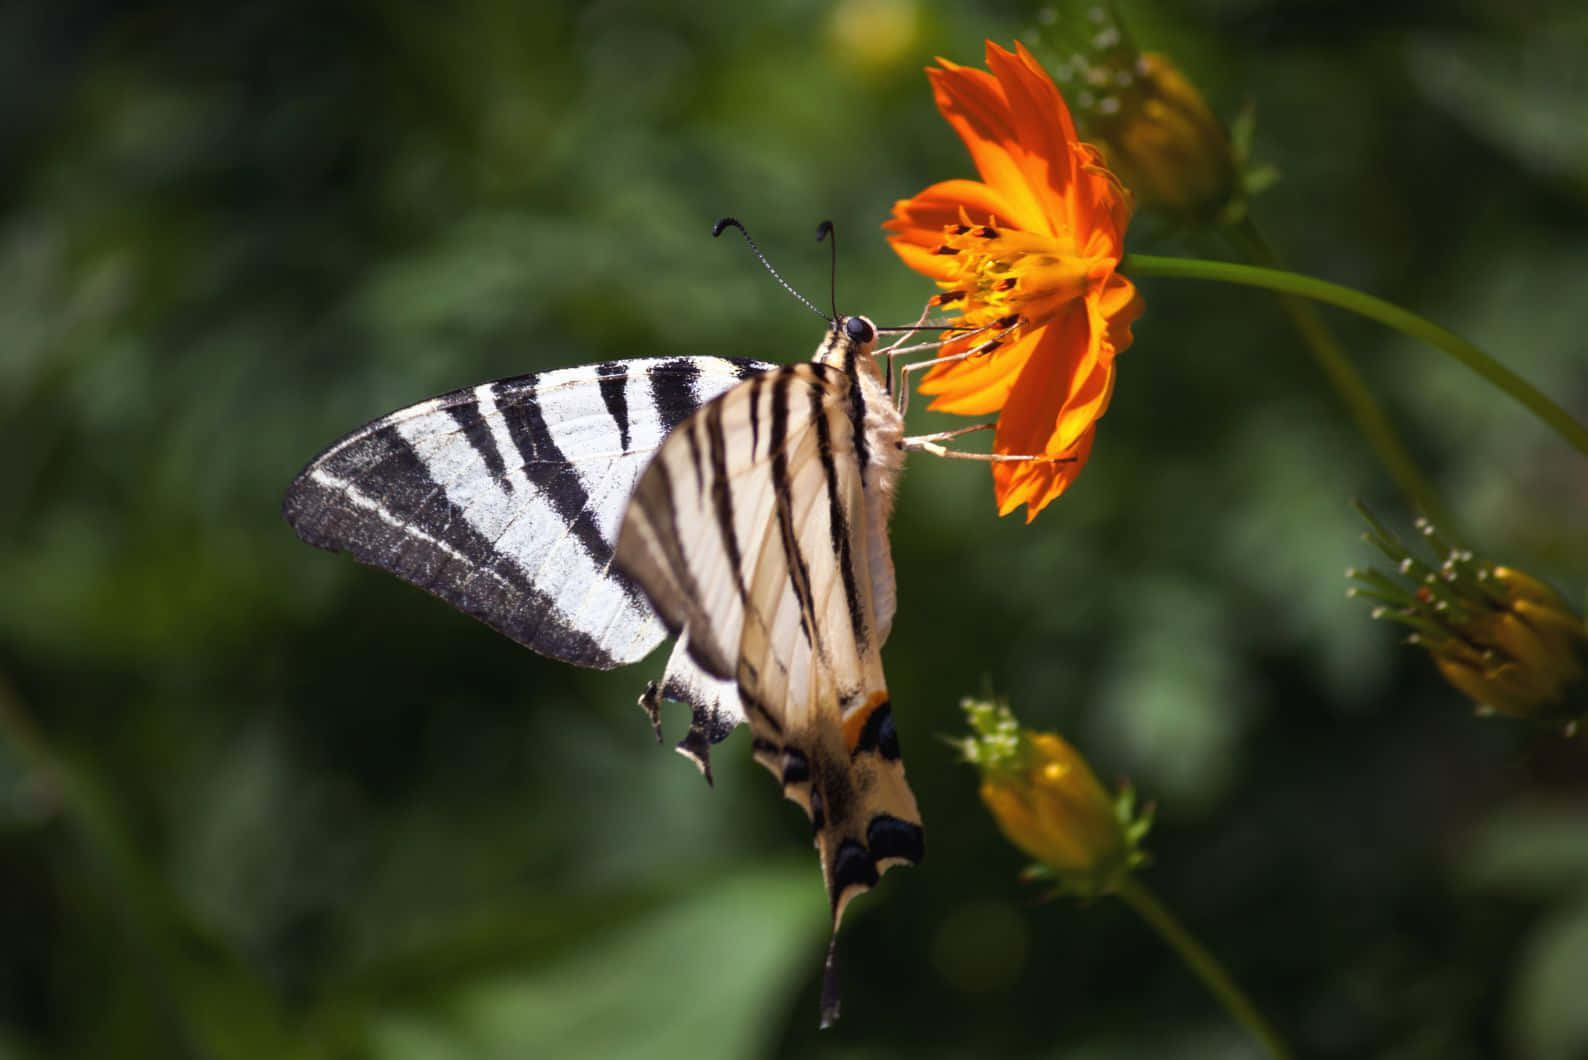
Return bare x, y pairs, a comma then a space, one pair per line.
709, 976
13, 1049
1527, 850
1172, 715
1548, 1017
1527, 97
1521, 303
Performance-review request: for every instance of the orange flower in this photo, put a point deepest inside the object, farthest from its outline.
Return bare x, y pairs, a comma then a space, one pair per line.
1026, 256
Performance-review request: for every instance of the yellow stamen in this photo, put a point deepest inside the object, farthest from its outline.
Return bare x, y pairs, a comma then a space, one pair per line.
1012, 279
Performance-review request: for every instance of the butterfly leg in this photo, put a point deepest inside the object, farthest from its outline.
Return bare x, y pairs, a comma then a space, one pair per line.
981, 349
651, 703
931, 443
892, 351
922, 441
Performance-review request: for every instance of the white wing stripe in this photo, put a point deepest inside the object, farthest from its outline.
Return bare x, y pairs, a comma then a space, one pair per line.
519, 522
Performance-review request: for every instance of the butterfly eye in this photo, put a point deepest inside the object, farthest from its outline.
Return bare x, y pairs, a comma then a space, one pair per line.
860, 330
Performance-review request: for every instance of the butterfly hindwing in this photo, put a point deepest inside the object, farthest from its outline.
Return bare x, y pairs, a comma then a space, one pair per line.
505, 499
753, 532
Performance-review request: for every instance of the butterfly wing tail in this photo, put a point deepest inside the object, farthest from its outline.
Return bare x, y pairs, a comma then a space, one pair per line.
851, 783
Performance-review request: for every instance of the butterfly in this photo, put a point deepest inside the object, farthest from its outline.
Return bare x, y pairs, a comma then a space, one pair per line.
738, 506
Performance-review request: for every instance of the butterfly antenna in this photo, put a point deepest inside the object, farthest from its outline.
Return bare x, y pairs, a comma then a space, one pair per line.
824, 230
730, 222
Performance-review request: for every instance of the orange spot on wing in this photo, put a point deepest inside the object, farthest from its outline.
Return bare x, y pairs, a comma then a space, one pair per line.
855, 721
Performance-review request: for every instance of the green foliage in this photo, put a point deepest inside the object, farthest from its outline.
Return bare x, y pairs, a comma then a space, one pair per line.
280, 806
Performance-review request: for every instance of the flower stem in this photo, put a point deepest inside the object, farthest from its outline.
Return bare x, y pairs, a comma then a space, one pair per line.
1204, 964
1386, 313
1348, 382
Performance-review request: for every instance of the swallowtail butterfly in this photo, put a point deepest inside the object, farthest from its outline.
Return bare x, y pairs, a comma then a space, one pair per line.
741, 507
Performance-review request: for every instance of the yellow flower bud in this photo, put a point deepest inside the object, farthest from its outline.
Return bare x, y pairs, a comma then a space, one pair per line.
1047, 801
1168, 146
1153, 124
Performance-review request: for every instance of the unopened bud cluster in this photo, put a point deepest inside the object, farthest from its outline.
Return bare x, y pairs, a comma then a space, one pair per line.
1504, 639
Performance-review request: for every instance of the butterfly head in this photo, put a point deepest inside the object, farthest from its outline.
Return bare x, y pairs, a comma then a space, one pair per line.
849, 343
859, 330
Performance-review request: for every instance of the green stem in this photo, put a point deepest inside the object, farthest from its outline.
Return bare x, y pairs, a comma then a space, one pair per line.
1386, 313
1204, 964
1348, 383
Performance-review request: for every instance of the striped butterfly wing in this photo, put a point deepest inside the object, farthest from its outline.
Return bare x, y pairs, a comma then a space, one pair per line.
505, 500
759, 534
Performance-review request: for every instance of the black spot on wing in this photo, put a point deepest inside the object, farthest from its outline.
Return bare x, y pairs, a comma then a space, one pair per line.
477, 432
722, 495
674, 391
716, 725
755, 415
890, 837
692, 437
614, 394
547, 468
838, 518
745, 368
782, 489
879, 734
796, 768
852, 867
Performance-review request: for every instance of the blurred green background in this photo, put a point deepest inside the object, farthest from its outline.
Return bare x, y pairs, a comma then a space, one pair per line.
257, 801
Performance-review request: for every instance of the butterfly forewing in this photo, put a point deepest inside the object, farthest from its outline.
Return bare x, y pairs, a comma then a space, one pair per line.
505, 499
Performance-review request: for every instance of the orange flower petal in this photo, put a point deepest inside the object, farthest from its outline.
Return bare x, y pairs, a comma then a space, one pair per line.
1121, 305
1037, 484
1100, 204
917, 223
980, 385
1085, 406
1043, 131
973, 102
1029, 421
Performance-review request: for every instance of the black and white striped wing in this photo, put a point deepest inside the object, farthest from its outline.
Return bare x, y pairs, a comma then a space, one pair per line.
505, 499
751, 534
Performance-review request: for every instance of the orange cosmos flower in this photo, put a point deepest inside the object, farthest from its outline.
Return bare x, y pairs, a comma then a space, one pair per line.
1026, 256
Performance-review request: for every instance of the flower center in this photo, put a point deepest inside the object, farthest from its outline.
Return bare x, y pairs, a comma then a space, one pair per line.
1012, 280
